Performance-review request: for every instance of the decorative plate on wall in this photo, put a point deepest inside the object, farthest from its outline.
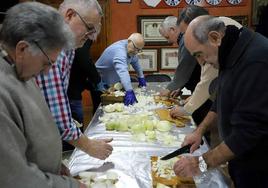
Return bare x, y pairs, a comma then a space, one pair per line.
213, 2
172, 3
234, 2
193, 2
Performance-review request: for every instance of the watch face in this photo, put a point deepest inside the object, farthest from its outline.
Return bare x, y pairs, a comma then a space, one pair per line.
172, 2
234, 2
193, 2
213, 2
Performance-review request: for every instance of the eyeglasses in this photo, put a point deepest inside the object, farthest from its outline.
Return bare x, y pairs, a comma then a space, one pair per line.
90, 28
49, 60
139, 50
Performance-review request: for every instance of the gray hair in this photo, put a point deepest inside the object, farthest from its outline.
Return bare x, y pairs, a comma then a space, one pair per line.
170, 21
82, 6
191, 12
208, 24
35, 22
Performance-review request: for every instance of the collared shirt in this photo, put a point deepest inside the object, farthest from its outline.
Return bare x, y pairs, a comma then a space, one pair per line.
54, 87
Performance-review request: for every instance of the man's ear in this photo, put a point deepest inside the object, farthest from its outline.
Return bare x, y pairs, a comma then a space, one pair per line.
69, 14
21, 48
214, 38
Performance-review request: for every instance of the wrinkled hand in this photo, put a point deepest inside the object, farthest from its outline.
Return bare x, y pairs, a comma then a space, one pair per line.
64, 171
130, 98
175, 93
187, 100
164, 93
142, 82
177, 111
99, 148
187, 166
81, 185
195, 139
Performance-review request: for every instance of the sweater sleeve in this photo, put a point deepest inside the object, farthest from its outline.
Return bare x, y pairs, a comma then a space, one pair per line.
121, 68
250, 109
16, 170
184, 70
201, 92
137, 67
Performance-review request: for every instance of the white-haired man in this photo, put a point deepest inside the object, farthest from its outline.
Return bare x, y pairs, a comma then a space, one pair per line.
83, 17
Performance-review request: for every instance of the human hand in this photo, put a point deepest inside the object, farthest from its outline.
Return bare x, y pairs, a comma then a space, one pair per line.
194, 138
177, 112
164, 93
81, 185
175, 93
64, 171
187, 100
130, 98
99, 148
142, 82
187, 166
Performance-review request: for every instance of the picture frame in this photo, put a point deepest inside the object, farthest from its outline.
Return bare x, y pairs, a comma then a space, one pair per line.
148, 60
148, 26
169, 58
123, 1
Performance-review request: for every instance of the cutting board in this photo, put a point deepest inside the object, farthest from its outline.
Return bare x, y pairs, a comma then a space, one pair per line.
163, 114
109, 98
174, 181
166, 101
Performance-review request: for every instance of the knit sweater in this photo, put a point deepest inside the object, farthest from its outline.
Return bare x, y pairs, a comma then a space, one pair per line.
30, 143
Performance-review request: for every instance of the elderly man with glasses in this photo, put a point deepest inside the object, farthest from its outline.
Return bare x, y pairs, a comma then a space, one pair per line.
113, 64
83, 17
30, 143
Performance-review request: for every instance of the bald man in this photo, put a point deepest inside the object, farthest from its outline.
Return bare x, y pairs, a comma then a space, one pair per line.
113, 64
241, 108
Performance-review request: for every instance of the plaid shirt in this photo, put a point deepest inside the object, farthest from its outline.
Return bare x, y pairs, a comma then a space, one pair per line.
54, 87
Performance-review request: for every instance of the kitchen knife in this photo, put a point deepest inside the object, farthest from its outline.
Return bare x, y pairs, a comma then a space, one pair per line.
184, 149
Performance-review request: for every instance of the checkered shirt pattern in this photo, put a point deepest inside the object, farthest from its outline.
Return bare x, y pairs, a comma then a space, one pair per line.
54, 87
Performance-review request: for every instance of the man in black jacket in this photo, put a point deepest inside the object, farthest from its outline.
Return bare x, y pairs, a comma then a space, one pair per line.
84, 75
241, 108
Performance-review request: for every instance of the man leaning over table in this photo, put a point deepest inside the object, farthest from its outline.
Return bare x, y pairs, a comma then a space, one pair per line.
241, 106
113, 64
30, 143
208, 74
83, 17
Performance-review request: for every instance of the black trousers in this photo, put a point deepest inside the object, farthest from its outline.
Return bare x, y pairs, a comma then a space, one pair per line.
248, 178
200, 114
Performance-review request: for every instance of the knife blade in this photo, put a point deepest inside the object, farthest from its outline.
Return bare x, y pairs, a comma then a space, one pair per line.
184, 149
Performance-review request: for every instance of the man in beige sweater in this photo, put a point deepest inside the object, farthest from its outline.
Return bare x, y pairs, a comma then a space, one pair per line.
208, 74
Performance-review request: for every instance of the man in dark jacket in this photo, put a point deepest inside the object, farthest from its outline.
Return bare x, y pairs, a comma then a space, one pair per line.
84, 75
241, 108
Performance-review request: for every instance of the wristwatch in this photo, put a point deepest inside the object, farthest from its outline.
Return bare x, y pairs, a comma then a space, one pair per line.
203, 167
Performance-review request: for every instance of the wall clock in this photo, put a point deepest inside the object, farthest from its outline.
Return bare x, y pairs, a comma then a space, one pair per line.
193, 2
213, 2
172, 2
234, 2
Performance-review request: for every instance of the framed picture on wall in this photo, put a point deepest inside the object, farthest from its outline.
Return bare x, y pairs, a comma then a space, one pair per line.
148, 26
147, 59
169, 58
123, 1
